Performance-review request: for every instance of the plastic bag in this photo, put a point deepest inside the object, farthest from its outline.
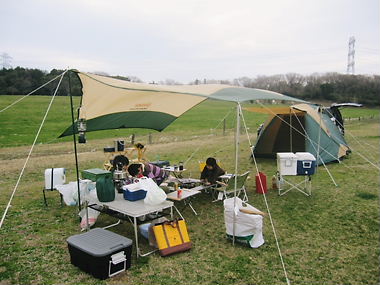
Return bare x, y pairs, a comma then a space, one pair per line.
155, 195
92, 217
70, 192
248, 227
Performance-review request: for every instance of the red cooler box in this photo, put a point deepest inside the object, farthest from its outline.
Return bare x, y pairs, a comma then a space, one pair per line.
100, 252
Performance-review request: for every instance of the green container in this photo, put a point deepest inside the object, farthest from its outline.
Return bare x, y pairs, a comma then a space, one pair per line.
95, 173
105, 189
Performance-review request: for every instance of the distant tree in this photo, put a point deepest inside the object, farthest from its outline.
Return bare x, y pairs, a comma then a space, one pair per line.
170, 82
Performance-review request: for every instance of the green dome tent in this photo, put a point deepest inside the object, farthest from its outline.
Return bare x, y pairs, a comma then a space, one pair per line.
301, 128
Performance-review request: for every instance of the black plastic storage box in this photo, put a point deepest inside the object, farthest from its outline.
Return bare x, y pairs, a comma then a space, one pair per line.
100, 252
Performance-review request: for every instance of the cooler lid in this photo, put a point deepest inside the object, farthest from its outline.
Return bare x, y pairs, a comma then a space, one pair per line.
99, 242
305, 156
286, 155
96, 171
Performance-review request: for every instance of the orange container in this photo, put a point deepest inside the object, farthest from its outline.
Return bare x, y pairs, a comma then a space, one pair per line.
261, 186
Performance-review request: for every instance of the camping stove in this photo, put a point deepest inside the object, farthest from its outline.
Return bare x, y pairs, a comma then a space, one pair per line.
119, 178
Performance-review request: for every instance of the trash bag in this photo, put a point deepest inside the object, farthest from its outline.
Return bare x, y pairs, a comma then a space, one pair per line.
92, 217
248, 227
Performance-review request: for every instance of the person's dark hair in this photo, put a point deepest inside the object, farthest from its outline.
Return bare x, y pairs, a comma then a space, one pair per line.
120, 161
133, 169
211, 161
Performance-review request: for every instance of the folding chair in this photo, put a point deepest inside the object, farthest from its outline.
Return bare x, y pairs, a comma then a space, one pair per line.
229, 188
202, 165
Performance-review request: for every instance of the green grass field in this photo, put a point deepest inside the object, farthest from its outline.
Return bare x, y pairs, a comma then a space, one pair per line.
331, 237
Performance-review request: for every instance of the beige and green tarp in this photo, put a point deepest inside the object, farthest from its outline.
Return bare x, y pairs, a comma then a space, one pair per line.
109, 103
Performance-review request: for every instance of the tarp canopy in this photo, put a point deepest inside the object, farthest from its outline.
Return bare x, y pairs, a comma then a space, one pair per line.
302, 128
109, 103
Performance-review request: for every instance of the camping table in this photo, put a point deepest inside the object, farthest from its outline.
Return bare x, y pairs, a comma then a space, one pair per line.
185, 197
225, 177
134, 210
175, 170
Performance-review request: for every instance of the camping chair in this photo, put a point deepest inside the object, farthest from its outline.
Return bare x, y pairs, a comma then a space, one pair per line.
229, 188
202, 164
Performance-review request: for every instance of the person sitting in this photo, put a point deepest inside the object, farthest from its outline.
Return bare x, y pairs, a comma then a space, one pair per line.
149, 170
211, 172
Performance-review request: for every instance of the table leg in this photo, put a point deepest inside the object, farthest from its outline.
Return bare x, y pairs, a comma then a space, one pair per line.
191, 206
179, 213
136, 237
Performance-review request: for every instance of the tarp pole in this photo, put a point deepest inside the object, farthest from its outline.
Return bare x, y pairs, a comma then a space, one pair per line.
319, 134
237, 135
291, 130
75, 143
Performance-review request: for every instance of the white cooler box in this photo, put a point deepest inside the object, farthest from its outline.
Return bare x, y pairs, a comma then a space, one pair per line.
305, 163
287, 163
54, 177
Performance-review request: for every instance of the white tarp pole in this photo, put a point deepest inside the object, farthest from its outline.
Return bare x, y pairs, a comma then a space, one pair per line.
236, 165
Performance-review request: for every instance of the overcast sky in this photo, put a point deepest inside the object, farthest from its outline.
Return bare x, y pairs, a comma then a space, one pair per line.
193, 39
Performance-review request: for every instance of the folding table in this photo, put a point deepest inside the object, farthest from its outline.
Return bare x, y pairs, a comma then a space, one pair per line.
132, 210
186, 196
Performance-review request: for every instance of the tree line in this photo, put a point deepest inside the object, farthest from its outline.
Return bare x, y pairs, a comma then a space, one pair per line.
335, 87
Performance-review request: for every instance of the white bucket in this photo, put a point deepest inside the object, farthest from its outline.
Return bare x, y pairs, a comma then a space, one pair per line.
59, 177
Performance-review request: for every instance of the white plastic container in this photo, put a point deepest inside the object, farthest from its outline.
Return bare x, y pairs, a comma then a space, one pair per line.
59, 177
287, 163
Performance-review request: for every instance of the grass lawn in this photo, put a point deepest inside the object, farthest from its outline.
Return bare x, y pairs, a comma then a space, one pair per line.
331, 237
